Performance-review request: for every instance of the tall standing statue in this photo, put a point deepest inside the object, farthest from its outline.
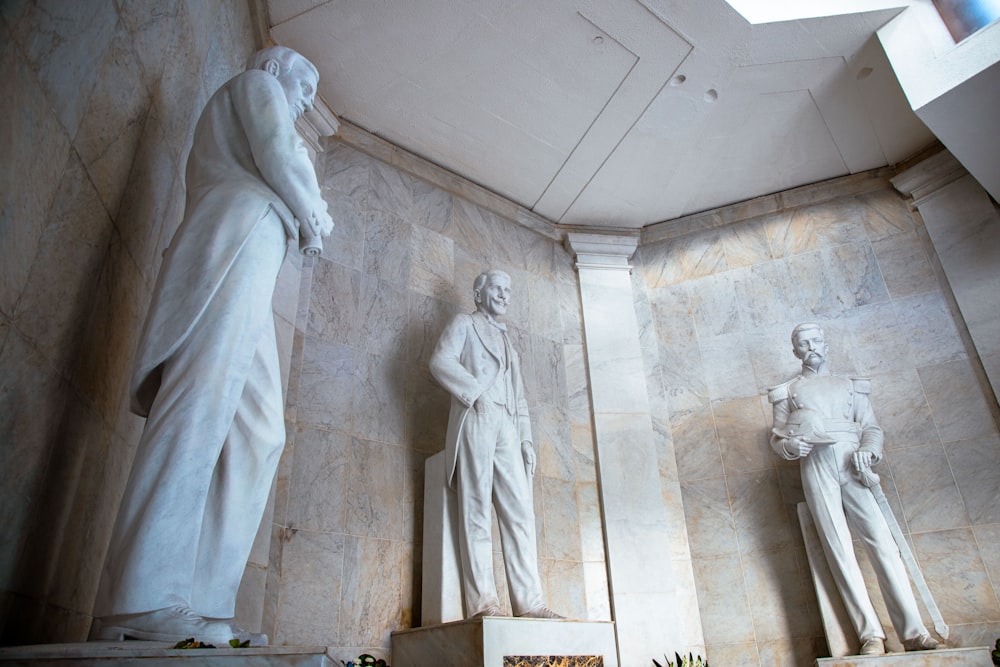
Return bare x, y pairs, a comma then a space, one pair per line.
207, 376
489, 456
827, 423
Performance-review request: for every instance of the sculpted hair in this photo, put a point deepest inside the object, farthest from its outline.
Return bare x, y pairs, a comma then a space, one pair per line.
806, 326
481, 279
284, 56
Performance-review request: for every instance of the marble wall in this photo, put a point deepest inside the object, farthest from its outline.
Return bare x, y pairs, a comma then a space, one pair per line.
364, 412
720, 304
100, 101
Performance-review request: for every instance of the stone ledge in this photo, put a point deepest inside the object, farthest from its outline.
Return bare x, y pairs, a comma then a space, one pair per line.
160, 654
947, 657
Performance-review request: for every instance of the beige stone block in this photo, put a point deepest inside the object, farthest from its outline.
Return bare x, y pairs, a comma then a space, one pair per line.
743, 654
988, 536
791, 652
696, 443
927, 489
595, 574
932, 335
886, 215
562, 525
756, 500
35, 142
957, 404
975, 466
56, 304
746, 244
711, 529
782, 601
967, 657
431, 206
427, 408
112, 125
370, 601
318, 492
432, 264
388, 247
313, 578
66, 43
905, 265
727, 366
722, 600
326, 385
563, 586
372, 490
953, 566
382, 312
902, 410
377, 409
552, 441
391, 190
743, 434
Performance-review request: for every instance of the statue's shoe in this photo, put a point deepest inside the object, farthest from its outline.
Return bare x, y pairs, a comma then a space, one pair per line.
540, 612
492, 610
873, 646
174, 624
922, 642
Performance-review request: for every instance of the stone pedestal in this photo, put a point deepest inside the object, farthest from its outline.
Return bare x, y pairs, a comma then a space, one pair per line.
954, 657
507, 642
159, 654
441, 597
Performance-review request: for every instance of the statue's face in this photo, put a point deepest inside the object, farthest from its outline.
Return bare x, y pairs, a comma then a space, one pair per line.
494, 297
810, 346
299, 84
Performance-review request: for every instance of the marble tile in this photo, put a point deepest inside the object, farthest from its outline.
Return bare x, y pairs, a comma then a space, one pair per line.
782, 601
152, 27
143, 220
768, 293
75, 239
707, 512
179, 95
955, 573
545, 375
431, 207
66, 43
756, 501
727, 366
378, 410
932, 336
957, 404
852, 272
975, 466
744, 654
987, 537
382, 316
886, 215
111, 128
715, 304
905, 266
591, 532
432, 266
388, 247
813, 227
231, 42
722, 600
346, 244
744, 434
553, 441
562, 527
791, 652
696, 443
868, 340
370, 599
927, 489
326, 385
313, 581
372, 490
692, 257
391, 190
472, 228
563, 587
746, 244
318, 487
902, 410
35, 142
412, 499
427, 408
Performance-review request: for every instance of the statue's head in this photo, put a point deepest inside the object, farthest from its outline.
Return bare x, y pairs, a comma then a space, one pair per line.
491, 292
298, 77
809, 345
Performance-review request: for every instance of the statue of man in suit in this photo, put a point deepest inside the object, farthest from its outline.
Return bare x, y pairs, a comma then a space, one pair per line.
489, 456
207, 377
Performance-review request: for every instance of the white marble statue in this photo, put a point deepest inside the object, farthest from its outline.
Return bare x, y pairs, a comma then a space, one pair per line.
489, 457
207, 375
827, 423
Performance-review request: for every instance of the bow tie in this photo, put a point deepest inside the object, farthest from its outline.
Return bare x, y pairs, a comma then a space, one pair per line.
499, 325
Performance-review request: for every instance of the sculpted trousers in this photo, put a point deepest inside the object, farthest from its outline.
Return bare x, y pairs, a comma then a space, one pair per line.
838, 500
204, 465
491, 472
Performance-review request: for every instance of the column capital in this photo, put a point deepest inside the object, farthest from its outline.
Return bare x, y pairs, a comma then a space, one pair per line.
602, 251
317, 123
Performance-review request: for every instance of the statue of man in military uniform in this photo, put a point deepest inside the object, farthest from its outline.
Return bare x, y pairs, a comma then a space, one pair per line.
827, 423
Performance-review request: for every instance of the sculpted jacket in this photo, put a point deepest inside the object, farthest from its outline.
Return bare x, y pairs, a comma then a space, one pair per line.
466, 365
246, 159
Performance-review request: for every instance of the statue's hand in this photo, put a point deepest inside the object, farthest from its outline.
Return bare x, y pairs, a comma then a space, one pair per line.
862, 460
798, 448
320, 223
528, 452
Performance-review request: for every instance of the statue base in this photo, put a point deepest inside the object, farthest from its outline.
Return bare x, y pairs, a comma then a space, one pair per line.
160, 654
942, 657
500, 641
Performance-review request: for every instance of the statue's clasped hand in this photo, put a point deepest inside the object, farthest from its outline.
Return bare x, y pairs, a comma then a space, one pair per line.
798, 447
528, 452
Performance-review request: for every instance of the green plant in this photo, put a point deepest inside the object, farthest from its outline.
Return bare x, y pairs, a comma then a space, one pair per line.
995, 653
365, 660
682, 661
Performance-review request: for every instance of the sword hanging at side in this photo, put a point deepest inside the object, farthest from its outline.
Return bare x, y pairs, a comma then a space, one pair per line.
872, 481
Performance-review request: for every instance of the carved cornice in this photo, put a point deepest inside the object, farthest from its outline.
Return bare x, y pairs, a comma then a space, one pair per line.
313, 125
608, 252
928, 176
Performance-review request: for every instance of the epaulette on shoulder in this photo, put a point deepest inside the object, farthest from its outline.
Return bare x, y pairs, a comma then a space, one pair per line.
779, 392
862, 385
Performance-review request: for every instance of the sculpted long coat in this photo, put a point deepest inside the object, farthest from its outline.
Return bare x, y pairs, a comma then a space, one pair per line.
467, 365
241, 164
